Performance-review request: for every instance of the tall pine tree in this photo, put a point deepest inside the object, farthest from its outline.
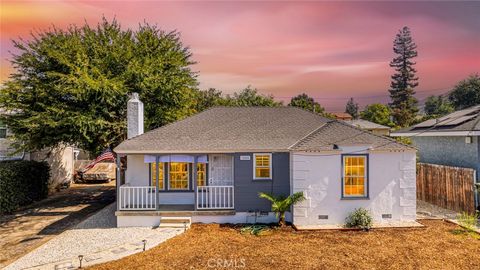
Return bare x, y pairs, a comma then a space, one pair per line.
352, 108
402, 87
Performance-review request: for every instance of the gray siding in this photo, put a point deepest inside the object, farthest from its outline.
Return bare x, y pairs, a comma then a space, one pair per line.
451, 151
247, 189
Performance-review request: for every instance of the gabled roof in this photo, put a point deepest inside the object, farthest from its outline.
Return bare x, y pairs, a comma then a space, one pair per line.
462, 122
364, 124
236, 129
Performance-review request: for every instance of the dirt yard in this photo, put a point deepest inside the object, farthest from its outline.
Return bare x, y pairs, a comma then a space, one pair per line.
29, 228
436, 246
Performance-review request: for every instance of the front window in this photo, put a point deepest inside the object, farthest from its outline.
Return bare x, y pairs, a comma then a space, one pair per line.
262, 168
201, 174
3, 130
178, 176
153, 174
355, 176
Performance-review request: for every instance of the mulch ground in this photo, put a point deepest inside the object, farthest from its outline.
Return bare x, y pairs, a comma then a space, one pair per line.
437, 246
34, 225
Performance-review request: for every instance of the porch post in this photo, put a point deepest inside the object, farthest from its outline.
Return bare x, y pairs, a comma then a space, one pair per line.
157, 175
118, 180
194, 184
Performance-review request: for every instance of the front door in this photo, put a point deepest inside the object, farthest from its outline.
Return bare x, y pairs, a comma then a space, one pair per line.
221, 170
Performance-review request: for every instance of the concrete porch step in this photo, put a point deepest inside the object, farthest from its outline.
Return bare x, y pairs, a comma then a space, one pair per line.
175, 222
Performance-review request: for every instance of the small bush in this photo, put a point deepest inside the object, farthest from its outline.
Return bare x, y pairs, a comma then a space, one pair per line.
22, 182
257, 230
359, 218
469, 221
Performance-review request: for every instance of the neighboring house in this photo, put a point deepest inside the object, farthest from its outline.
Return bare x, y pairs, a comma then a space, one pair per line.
342, 116
370, 126
210, 167
451, 140
61, 159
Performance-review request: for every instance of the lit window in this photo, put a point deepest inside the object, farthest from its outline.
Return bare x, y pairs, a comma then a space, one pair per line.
153, 174
178, 176
355, 176
201, 174
3, 130
262, 168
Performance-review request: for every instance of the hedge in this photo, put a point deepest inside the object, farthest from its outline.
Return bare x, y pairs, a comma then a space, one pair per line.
22, 182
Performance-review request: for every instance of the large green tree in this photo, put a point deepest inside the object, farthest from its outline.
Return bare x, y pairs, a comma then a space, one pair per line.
377, 113
71, 86
208, 98
306, 102
404, 80
436, 106
466, 93
352, 108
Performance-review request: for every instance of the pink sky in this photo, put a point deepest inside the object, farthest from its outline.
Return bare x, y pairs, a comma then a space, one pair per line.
332, 51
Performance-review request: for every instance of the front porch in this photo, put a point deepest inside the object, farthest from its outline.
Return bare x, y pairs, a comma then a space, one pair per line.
146, 198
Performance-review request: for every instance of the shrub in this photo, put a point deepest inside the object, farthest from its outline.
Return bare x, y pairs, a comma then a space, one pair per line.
359, 218
469, 221
22, 182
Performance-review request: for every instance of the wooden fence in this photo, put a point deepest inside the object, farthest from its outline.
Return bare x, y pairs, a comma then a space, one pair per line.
448, 187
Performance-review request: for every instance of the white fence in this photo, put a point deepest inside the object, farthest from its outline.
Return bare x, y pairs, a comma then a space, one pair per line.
137, 198
215, 197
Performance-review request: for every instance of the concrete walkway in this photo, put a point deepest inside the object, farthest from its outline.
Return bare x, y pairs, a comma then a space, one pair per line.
97, 239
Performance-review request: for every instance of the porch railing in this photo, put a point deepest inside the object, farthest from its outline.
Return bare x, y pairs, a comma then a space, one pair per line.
215, 197
137, 198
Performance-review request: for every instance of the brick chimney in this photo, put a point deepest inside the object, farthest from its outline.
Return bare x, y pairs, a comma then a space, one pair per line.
134, 116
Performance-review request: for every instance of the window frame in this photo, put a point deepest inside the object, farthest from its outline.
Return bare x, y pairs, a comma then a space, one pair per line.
204, 174
150, 174
169, 177
255, 166
366, 177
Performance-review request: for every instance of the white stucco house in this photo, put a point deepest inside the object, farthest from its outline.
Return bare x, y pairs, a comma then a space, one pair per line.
211, 166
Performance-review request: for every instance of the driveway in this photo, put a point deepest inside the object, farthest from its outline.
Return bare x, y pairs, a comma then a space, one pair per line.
27, 229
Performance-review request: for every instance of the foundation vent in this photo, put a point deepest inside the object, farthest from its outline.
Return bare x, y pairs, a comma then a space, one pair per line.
386, 215
322, 216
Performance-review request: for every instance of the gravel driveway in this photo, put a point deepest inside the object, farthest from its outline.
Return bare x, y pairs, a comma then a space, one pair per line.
98, 239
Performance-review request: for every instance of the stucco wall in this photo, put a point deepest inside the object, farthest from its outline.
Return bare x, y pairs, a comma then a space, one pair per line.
247, 189
391, 188
451, 151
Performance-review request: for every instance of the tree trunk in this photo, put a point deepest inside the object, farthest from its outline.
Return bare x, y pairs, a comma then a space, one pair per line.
281, 220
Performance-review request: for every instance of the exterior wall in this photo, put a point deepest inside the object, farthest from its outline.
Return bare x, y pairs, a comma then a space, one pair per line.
392, 188
247, 189
450, 151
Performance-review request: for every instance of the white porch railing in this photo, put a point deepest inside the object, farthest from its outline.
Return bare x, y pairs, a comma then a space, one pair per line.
215, 197
137, 198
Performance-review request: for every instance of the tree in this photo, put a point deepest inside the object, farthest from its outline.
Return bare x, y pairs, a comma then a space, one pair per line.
208, 98
466, 93
307, 103
71, 86
436, 106
377, 113
281, 204
352, 108
250, 97
403, 103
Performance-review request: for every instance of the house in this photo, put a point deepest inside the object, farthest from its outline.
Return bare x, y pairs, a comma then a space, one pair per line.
451, 140
60, 159
342, 116
211, 166
375, 128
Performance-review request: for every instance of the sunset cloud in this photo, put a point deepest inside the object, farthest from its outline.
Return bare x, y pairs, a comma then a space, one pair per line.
330, 50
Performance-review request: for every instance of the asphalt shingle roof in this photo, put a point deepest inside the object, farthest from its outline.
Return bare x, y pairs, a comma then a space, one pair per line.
364, 124
233, 129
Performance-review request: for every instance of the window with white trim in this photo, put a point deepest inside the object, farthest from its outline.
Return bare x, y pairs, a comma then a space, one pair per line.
355, 176
153, 174
178, 176
262, 166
